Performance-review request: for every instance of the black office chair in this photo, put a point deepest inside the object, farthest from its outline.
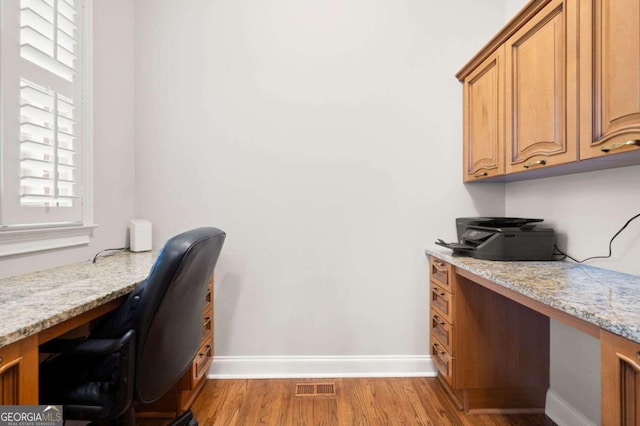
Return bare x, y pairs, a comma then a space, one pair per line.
140, 351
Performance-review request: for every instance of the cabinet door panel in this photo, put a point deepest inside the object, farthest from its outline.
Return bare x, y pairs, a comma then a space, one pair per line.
537, 92
616, 79
620, 374
630, 388
19, 372
538, 97
484, 120
9, 384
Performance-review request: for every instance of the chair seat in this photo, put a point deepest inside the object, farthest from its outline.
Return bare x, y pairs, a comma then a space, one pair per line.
85, 382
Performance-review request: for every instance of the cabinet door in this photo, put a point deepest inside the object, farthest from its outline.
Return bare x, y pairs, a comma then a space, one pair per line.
19, 372
620, 374
541, 104
614, 125
484, 120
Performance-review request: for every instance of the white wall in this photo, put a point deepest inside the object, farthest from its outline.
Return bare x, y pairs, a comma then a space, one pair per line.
113, 140
512, 7
586, 210
325, 139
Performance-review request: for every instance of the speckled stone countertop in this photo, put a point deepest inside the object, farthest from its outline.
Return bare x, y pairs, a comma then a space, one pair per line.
33, 302
608, 299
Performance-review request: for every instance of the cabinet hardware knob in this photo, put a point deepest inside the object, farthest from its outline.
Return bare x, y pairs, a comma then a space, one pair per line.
438, 350
534, 163
479, 175
438, 293
613, 146
438, 320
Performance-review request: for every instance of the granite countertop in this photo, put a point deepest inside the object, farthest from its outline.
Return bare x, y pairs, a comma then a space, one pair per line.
608, 299
33, 302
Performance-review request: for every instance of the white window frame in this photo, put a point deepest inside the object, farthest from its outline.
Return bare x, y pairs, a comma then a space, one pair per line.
20, 239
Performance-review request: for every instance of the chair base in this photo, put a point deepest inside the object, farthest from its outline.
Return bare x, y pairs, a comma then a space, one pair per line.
185, 419
129, 419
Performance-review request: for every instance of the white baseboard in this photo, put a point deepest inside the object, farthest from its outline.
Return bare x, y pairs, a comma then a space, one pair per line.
278, 367
563, 413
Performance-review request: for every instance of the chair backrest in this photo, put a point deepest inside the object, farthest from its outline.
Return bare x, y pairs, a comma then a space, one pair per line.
166, 311
169, 326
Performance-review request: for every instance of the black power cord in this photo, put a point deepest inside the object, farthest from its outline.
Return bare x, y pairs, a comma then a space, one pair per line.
561, 253
117, 250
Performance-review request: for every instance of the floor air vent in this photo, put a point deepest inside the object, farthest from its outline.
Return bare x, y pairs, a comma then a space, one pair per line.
315, 389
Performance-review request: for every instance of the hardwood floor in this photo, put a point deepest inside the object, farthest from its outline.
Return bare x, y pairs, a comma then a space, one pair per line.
365, 401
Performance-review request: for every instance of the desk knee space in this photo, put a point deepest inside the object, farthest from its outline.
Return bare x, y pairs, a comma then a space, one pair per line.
491, 352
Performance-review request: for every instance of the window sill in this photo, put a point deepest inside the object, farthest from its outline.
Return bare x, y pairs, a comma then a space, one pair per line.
22, 241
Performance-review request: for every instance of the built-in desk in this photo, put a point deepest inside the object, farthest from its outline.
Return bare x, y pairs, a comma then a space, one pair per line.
37, 307
490, 332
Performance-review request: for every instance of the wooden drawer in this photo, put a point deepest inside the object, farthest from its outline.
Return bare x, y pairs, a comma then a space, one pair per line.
443, 331
201, 364
208, 306
207, 330
442, 360
442, 301
441, 273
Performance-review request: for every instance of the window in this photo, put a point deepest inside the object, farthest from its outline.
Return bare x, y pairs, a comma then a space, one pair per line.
45, 138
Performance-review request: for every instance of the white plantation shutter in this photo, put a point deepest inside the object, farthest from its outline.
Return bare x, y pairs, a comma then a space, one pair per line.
47, 148
42, 135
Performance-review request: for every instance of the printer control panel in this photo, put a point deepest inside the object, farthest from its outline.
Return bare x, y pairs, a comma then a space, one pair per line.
476, 235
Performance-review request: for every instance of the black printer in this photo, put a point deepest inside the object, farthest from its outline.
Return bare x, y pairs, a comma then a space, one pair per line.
502, 238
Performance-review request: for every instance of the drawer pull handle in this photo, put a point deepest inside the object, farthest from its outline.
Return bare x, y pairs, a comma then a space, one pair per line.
1, 360
440, 264
439, 293
614, 146
438, 320
438, 350
535, 163
479, 175
205, 352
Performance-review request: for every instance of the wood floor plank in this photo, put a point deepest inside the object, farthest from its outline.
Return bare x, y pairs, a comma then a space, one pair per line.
358, 401
276, 403
220, 402
410, 408
325, 412
437, 404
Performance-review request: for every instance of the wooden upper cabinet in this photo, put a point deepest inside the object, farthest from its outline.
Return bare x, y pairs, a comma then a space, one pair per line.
557, 89
483, 99
612, 121
541, 91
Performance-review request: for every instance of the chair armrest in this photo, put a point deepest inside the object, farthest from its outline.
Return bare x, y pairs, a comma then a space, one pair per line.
87, 346
95, 359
